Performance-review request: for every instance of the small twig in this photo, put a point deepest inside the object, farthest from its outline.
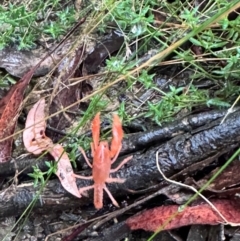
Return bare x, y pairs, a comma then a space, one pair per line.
230, 110
196, 191
76, 232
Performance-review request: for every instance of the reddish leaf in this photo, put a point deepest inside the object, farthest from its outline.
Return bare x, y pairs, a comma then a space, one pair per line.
153, 219
36, 142
9, 111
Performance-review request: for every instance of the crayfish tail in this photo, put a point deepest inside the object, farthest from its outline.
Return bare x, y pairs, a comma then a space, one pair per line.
98, 196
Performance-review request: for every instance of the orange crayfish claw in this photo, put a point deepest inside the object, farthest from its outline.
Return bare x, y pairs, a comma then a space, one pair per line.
117, 133
96, 130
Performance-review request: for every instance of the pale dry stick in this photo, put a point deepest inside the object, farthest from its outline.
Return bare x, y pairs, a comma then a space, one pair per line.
196, 191
230, 110
78, 80
199, 59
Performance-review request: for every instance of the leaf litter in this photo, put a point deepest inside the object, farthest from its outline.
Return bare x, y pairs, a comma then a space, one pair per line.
10, 105
36, 142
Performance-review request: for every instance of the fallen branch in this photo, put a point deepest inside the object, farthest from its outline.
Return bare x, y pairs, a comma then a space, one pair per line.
175, 155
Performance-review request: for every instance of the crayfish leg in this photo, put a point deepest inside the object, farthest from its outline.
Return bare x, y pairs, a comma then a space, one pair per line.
84, 189
111, 197
121, 164
83, 177
117, 133
85, 156
117, 180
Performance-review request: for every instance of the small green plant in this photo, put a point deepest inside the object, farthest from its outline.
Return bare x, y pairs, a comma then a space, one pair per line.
133, 18
190, 17
5, 81
74, 144
38, 175
22, 25
146, 79
217, 102
174, 101
122, 113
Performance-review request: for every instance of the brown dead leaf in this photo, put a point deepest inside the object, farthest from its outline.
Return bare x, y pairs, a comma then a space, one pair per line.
11, 59
64, 94
153, 219
36, 142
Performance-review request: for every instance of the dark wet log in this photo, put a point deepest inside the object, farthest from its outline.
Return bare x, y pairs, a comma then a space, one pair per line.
138, 141
23, 165
181, 152
14, 200
132, 143
140, 173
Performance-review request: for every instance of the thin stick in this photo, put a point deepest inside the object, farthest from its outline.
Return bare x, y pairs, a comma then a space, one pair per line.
230, 110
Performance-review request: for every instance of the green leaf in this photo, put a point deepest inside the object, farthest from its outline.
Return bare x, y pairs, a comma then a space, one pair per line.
195, 42
217, 102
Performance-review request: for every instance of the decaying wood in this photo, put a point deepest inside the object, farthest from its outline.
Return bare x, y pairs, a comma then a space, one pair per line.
140, 173
132, 142
188, 124
23, 165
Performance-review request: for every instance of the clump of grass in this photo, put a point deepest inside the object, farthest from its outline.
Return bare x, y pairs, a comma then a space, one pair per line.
217, 60
138, 23
23, 24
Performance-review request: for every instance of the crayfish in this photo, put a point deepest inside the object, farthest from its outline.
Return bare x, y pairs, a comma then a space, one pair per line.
103, 157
